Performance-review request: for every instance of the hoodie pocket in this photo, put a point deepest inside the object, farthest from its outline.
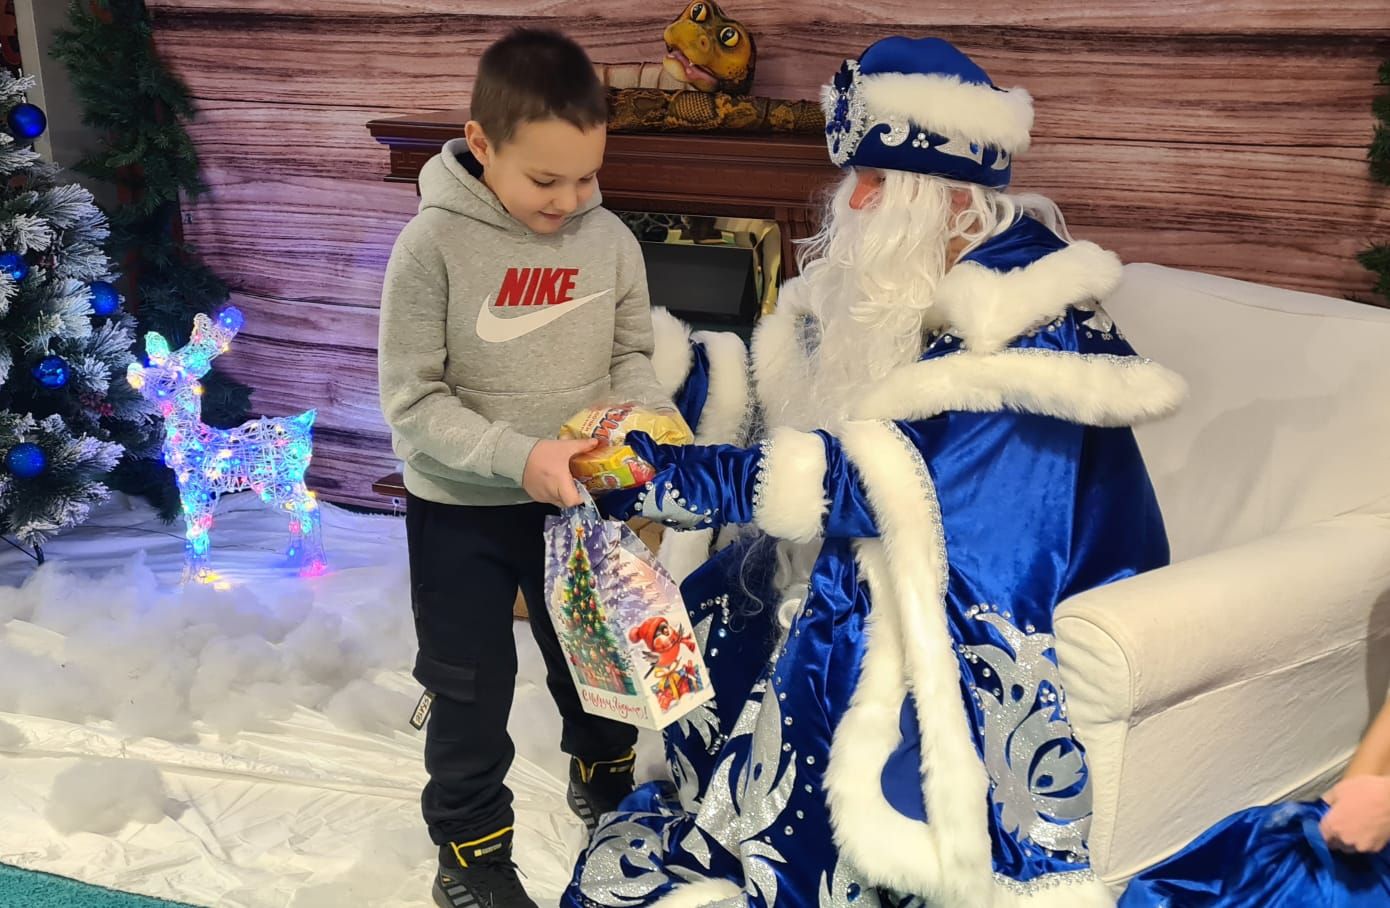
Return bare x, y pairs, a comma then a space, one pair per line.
538, 413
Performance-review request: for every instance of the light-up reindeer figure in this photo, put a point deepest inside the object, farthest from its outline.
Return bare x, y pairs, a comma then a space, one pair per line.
268, 456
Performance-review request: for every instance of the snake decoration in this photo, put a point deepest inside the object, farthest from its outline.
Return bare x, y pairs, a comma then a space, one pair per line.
702, 84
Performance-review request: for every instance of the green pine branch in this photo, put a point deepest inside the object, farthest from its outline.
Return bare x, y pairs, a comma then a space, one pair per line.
1380, 142
140, 110
1377, 257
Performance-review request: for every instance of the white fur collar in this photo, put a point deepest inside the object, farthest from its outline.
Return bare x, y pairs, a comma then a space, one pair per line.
1090, 390
988, 309
1087, 389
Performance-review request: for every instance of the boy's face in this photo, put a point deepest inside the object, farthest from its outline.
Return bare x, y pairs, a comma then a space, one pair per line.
546, 171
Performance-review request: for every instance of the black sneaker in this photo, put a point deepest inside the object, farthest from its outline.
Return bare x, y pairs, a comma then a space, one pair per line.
597, 788
480, 874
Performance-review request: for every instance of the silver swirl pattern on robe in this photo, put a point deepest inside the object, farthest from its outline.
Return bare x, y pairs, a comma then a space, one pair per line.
737, 810
1040, 780
846, 888
606, 881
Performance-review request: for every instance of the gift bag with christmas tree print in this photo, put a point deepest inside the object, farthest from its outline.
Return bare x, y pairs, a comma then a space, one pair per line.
621, 621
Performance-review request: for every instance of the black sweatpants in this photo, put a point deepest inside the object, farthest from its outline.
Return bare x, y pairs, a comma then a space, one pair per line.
466, 565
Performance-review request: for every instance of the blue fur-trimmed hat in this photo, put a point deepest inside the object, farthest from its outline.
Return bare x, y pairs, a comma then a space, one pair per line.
921, 105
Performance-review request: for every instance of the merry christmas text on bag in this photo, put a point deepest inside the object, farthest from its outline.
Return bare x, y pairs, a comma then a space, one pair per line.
621, 621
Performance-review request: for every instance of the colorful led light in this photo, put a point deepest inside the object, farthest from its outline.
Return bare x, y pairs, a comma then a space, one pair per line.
267, 456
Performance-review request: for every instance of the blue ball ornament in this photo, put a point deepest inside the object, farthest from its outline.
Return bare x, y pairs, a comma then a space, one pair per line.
13, 264
52, 372
26, 460
105, 299
26, 121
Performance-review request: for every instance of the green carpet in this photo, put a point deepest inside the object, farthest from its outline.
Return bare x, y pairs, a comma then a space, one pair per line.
30, 889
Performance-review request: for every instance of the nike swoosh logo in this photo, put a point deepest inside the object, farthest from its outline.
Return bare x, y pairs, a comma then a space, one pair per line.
497, 330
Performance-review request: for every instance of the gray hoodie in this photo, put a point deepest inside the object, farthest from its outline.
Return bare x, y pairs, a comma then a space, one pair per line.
492, 335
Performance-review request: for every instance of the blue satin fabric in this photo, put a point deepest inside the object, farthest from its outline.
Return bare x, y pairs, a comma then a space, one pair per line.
1020, 245
690, 399
654, 840
733, 591
715, 483
1033, 510
1264, 857
849, 515
722, 480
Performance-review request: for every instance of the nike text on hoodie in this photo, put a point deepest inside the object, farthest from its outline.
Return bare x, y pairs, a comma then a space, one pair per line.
492, 335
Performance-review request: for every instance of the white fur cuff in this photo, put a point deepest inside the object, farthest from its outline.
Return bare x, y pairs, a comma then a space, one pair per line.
790, 501
725, 415
671, 355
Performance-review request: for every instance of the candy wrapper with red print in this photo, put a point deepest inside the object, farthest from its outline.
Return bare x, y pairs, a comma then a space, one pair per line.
614, 465
621, 622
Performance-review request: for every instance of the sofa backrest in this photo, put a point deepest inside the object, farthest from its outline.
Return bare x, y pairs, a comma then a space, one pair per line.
1288, 416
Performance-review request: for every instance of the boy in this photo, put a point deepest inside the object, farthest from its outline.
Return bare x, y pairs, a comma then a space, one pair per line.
512, 301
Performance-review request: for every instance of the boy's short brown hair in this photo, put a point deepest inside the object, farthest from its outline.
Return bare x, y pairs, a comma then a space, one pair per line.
536, 74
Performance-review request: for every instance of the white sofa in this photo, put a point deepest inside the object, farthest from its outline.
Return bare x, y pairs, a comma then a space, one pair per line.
1245, 672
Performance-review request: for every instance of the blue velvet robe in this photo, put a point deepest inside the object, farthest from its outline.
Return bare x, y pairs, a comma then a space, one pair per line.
904, 738
1264, 857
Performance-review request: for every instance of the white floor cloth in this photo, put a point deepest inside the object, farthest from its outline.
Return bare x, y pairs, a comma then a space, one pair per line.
274, 710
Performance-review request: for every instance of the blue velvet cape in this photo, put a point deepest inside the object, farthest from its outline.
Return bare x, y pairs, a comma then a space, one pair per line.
904, 740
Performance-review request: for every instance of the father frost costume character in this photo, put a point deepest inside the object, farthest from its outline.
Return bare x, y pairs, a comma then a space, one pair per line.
946, 457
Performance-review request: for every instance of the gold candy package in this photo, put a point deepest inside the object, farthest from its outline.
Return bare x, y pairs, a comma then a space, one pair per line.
615, 465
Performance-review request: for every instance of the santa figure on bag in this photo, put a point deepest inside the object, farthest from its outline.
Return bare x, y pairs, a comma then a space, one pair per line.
946, 455
663, 645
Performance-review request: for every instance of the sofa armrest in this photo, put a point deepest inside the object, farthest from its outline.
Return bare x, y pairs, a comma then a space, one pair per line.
1174, 633
1224, 681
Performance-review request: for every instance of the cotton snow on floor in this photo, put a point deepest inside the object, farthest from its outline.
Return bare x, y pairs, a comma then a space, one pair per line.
244, 746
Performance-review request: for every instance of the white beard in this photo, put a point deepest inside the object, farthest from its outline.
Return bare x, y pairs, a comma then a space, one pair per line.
871, 293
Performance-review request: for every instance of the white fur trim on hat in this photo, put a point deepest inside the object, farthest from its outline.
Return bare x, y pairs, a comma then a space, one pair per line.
947, 106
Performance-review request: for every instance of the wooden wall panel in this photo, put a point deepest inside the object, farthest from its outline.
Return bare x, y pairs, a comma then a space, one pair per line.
1237, 88
309, 140
1187, 16
1220, 135
299, 238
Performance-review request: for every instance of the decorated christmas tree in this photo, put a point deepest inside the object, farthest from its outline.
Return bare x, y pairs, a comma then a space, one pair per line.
67, 415
597, 655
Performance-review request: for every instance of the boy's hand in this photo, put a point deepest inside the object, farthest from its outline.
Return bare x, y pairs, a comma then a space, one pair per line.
547, 476
1360, 816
